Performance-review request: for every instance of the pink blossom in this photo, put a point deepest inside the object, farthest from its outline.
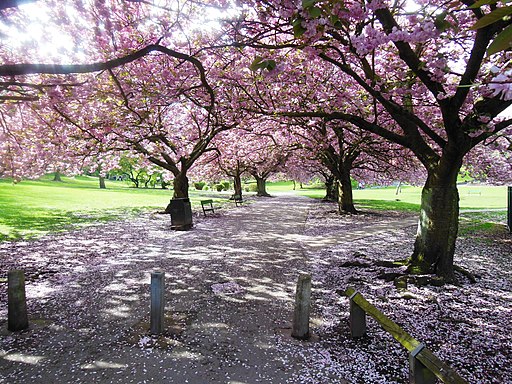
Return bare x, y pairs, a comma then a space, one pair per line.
501, 85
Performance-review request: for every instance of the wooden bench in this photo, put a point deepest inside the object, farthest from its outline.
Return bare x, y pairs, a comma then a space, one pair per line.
207, 206
238, 200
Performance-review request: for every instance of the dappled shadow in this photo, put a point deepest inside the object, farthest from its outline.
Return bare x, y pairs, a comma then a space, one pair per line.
25, 223
98, 292
230, 285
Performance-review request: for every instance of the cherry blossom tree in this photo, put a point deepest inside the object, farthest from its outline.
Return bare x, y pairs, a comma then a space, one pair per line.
148, 97
270, 149
492, 161
347, 152
341, 147
232, 148
138, 78
429, 86
159, 114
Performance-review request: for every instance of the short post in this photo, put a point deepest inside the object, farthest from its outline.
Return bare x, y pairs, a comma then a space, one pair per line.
509, 212
16, 301
300, 328
418, 373
357, 318
157, 302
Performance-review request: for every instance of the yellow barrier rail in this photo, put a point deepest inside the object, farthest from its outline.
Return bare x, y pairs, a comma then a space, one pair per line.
424, 366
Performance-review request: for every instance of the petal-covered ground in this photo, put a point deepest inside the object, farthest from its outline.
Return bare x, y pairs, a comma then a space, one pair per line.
230, 286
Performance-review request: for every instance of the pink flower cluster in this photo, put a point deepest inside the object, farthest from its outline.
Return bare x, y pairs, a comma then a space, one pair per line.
501, 85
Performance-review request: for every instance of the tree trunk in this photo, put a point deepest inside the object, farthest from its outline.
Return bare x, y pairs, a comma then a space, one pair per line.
294, 185
331, 189
345, 197
438, 225
133, 179
57, 177
261, 185
398, 188
180, 184
102, 182
237, 185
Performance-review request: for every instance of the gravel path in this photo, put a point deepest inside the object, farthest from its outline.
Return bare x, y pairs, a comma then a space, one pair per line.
230, 287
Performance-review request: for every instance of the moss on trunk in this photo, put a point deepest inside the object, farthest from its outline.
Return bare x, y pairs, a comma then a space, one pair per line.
345, 196
180, 185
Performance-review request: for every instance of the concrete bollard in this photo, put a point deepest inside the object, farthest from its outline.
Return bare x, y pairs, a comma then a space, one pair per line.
357, 319
157, 302
300, 328
16, 301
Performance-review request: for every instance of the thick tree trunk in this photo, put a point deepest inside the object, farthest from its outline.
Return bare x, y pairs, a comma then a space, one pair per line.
180, 184
102, 183
345, 196
438, 225
261, 185
331, 189
57, 177
237, 185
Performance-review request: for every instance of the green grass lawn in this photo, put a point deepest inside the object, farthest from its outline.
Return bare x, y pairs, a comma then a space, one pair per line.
471, 197
35, 207
32, 208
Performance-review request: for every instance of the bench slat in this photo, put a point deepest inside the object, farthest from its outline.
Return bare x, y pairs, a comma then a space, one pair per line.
204, 205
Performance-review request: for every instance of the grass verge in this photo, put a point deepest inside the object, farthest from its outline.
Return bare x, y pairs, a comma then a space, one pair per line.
36, 207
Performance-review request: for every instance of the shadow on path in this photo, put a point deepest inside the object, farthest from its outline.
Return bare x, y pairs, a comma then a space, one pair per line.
230, 286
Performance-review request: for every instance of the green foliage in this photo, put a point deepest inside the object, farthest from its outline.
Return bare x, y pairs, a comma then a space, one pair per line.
441, 23
315, 12
226, 185
308, 3
502, 42
219, 187
199, 185
251, 187
492, 17
261, 63
490, 223
33, 208
504, 39
298, 29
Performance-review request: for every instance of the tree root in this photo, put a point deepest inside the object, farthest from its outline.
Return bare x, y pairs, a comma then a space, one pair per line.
472, 277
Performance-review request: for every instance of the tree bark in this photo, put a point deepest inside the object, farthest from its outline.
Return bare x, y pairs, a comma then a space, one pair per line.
398, 188
180, 184
237, 185
331, 189
261, 185
102, 182
438, 225
57, 177
345, 196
